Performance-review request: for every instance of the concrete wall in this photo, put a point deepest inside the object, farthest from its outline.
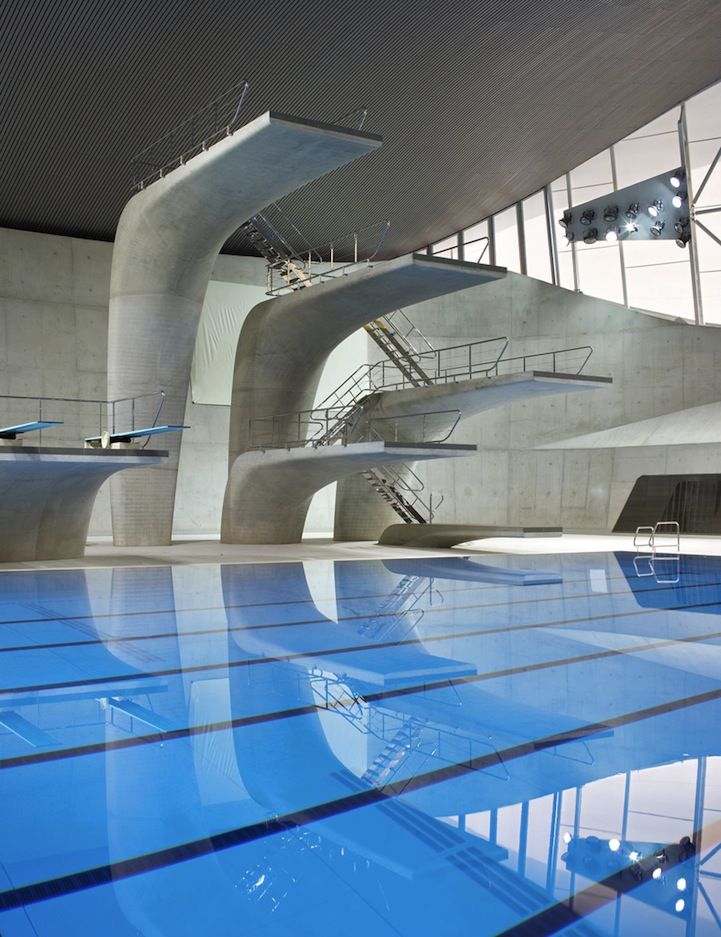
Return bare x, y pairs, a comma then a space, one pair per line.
54, 294
658, 365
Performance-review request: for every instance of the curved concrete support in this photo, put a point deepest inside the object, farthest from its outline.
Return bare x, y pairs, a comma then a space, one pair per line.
269, 492
286, 341
168, 238
47, 497
359, 513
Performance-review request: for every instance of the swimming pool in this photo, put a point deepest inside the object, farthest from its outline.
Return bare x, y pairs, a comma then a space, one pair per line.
507, 745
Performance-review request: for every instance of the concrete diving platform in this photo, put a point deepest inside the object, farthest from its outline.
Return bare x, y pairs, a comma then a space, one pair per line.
450, 535
47, 497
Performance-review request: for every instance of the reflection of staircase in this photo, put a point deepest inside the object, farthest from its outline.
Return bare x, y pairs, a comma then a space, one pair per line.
398, 749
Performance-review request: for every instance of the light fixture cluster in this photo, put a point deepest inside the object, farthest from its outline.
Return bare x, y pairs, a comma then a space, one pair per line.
620, 223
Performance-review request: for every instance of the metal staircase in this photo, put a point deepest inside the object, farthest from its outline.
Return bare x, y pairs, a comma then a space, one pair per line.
396, 347
398, 749
399, 494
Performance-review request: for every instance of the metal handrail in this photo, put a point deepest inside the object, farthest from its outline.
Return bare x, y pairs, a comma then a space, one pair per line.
111, 406
360, 120
196, 133
456, 247
327, 426
554, 356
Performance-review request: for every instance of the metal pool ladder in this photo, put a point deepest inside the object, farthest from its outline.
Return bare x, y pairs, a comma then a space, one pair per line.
663, 543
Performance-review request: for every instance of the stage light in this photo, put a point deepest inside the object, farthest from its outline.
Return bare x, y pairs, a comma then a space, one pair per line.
567, 838
656, 873
683, 238
614, 844
632, 211
570, 236
657, 227
634, 856
610, 213
591, 236
680, 225
655, 208
681, 884
678, 199
587, 216
566, 220
680, 905
631, 227
677, 178
612, 234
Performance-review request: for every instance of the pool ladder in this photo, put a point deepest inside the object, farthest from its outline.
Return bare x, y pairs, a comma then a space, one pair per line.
663, 559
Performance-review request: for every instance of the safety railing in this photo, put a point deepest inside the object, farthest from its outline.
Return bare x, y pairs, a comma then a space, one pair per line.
408, 331
353, 119
473, 251
335, 426
197, 133
336, 258
443, 365
559, 361
80, 417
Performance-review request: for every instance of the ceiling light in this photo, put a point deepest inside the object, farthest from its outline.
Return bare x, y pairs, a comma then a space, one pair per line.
610, 213
677, 178
657, 227
612, 234
566, 220
678, 199
587, 216
591, 236
632, 211
655, 208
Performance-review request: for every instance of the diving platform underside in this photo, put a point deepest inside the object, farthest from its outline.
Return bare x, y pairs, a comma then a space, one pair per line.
47, 497
269, 491
168, 238
449, 535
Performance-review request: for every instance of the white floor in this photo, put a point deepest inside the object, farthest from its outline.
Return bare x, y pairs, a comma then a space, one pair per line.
101, 553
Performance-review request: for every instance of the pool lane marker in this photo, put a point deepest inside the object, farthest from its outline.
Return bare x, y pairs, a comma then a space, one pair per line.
95, 748
159, 636
217, 842
329, 652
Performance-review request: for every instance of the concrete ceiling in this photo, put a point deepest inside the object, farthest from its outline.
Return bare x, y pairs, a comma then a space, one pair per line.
479, 103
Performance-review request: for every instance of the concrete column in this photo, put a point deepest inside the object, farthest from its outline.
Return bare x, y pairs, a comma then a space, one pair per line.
168, 238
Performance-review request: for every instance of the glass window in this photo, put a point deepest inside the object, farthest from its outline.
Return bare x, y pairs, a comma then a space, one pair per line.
538, 256
709, 251
666, 123
703, 114
702, 155
661, 288
639, 158
711, 296
599, 271
596, 171
475, 243
506, 237
448, 247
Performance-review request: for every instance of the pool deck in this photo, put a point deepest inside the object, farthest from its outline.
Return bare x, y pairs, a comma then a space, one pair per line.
185, 551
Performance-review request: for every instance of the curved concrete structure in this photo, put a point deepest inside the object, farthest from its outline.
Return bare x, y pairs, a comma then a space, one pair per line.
269, 492
168, 238
449, 535
47, 497
359, 513
283, 346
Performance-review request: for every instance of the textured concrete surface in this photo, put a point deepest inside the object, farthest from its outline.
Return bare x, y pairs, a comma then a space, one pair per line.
450, 535
47, 495
167, 241
269, 491
286, 341
359, 513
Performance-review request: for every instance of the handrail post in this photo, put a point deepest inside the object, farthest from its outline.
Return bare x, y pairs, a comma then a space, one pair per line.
355, 247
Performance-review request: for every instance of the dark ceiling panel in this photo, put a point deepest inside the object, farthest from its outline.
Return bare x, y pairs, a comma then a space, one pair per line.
479, 103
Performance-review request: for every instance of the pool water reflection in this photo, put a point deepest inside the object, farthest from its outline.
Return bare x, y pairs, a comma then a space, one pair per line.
515, 745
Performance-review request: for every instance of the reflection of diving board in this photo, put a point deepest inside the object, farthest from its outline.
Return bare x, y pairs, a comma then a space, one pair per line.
108, 439
449, 535
12, 432
463, 568
389, 666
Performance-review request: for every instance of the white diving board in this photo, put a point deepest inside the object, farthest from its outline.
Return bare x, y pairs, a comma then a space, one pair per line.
12, 432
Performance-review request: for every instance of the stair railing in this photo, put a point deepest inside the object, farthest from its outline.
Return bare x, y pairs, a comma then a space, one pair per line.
581, 352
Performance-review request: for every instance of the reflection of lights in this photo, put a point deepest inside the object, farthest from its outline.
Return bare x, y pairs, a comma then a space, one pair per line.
656, 873
614, 844
680, 905
655, 208
634, 856
681, 884
567, 838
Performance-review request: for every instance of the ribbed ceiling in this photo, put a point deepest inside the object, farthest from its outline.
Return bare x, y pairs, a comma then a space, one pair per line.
479, 103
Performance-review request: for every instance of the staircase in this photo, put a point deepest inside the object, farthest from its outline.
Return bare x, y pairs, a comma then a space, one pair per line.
398, 749
398, 350
391, 485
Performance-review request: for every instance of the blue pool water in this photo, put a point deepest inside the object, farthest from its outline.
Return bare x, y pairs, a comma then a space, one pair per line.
518, 746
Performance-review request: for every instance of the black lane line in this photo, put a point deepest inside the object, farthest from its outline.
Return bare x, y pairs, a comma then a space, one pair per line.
353, 598
349, 649
160, 635
195, 849
42, 756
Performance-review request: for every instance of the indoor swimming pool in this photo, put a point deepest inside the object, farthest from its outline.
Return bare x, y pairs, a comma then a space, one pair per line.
430, 746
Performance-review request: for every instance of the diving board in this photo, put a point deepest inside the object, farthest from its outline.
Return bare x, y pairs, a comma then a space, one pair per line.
12, 432
107, 439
